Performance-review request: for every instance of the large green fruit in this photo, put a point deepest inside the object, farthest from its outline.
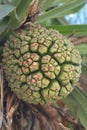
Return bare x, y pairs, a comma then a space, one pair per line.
41, 66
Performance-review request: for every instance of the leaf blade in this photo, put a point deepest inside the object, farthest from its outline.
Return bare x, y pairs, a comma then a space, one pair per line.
80, 98
5, 10
77, 106
78, 30
58, 11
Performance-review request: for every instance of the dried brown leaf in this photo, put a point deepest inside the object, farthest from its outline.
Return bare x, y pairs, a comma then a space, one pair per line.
32, 8
1, 97
48, 111
62, 127
36, 125
1, 119
31, 13
78, 40
44, 123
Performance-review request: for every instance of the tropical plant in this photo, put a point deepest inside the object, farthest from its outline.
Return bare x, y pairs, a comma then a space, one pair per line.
70, 113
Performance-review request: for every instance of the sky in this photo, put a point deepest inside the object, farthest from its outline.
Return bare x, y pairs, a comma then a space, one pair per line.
78, 18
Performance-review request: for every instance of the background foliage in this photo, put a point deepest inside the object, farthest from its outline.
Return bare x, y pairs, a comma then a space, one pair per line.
52, 15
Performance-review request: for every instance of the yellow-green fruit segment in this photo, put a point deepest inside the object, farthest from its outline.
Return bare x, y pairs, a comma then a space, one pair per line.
41, 66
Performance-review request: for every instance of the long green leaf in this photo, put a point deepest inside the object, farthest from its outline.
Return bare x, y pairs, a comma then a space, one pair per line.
16, 17
46, 4
5, 10
4, 28
74, 10
85, 94
4, 24
78, 30
83, 117
75, 107
77, 101
22, 8
58, 11
58, 2
82, 114
15, 2
82, 49
19, 15
51, 3
61, 21
80, 98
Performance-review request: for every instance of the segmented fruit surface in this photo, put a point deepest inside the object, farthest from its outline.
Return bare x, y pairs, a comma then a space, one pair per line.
41, 66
